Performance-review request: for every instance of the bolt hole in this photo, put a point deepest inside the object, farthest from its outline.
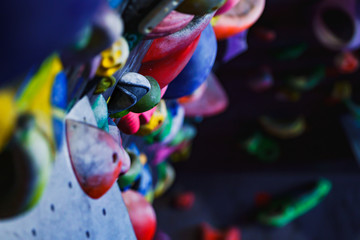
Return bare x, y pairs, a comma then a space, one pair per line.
33, 232
70, 185
115, 157
87, 234
52, 207
104, 211
149, 29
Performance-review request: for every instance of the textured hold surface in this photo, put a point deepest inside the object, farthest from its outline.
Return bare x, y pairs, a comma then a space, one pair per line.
197, 69
142, 215
130, 123
128, 178
130, 89
157, 119
200, 7
226, 7
115, 133
166, 46
113, 58
240, 17
99, 108
95, 157
165, 70
104, 84
150, 100
172, 23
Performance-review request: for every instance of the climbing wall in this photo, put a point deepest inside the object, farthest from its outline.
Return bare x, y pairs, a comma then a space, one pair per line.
65, 211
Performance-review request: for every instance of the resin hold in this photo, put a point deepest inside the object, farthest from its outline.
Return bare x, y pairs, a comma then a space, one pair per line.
115, 133
113, 58
150, 100
337, 25
239, 18
100, 110
156, 121
104, 84
126, 180
59, 105
142, 215
197, 69
128, 91
226, 7
25, 166
96, 157
167, 69
167, 56
199, 7
130, 123
172, 23
178, 41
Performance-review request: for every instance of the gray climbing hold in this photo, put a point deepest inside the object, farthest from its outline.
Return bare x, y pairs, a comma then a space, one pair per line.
128, 91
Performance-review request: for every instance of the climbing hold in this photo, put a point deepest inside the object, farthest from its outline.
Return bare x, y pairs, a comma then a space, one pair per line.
150, 100
172, 23
96, 157
126, 180
128, 91
113, 58
197, 69
142, 215
104, 84
239, 18
199, 7
156, 121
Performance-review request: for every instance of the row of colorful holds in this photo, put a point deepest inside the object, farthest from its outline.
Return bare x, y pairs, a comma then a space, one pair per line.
164, 127
32, 128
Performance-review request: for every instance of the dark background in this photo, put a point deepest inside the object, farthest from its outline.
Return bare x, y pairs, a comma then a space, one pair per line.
226, 179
